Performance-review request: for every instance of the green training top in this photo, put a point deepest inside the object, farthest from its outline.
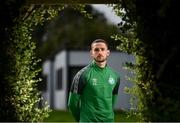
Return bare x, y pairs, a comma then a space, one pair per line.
93, 94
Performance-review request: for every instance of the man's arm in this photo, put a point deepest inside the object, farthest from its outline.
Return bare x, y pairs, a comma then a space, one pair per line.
115, 91
74, 101
74, 105
114, 99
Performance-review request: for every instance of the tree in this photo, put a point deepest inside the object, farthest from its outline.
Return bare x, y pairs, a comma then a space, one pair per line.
19, 71
19, 96
72, 30
9, 11
150, 32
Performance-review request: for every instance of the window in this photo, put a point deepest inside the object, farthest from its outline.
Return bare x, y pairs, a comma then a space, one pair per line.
43, 83
72, 72
59, 79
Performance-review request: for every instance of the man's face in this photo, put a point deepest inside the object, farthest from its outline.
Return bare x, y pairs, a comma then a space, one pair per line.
99, 52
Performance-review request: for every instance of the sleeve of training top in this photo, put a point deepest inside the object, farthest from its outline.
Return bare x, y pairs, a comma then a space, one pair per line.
74, 105
115, 91
114, 99
75, 95
116, 88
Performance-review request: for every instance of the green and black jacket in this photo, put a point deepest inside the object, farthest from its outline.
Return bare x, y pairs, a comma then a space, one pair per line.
93, 94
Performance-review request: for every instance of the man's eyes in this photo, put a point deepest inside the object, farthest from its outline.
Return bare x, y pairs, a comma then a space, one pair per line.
99, 49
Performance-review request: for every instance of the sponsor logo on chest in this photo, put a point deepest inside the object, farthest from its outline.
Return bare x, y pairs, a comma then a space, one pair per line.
94, 81
110, 81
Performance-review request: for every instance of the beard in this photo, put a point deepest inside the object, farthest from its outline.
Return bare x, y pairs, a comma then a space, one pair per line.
100, 59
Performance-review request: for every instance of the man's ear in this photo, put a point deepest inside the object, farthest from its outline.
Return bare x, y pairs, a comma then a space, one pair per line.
90, 53
108, 52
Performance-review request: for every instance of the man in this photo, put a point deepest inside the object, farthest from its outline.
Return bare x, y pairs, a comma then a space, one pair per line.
94, 88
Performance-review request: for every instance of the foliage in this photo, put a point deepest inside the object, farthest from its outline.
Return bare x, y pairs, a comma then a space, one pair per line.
24, 66
149, 31
9, 11
141, 91
19, 79
62, 31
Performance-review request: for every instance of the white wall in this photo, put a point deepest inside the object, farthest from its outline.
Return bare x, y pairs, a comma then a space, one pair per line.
60, 95
46, 71
79, 58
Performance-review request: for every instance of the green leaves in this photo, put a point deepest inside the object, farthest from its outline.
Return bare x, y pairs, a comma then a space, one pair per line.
143, 77
24, 82
81, 9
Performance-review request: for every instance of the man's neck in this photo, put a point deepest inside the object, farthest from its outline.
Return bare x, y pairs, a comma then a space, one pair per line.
101, 64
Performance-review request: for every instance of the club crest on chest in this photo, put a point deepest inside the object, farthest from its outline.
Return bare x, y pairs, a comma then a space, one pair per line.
111, 80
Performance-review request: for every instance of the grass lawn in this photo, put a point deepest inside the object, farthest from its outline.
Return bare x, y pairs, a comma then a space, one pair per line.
65, 116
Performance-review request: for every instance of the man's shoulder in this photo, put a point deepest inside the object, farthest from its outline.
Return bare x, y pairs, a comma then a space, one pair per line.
84, 70
113, 71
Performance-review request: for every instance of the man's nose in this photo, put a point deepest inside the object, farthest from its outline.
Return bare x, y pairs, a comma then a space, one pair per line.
100, 52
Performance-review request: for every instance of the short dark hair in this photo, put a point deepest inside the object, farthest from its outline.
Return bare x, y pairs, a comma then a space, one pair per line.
100, 41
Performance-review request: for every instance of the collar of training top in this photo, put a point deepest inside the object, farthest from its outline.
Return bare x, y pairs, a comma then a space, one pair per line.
97, 66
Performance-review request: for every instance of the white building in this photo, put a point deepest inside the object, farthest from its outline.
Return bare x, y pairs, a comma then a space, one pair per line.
59, 71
